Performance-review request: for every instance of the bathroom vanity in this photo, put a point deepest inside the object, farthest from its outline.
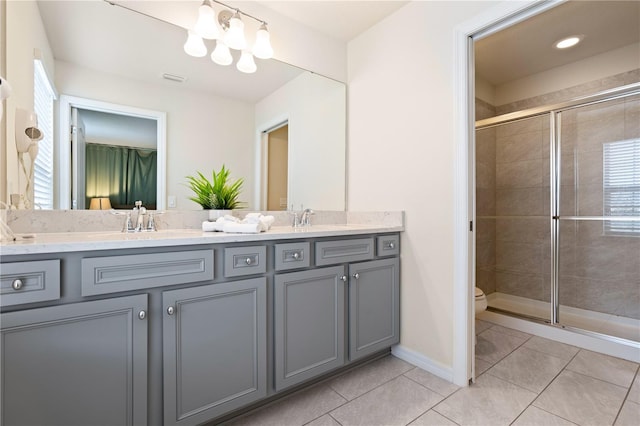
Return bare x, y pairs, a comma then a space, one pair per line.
186, 327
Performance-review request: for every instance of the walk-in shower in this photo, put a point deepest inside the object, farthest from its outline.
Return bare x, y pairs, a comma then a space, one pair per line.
558, 213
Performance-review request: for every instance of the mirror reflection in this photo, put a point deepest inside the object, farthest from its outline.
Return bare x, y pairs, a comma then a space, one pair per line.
214, 116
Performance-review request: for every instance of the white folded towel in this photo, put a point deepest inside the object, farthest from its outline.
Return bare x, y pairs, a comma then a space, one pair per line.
253, 223
212, 226
242, 228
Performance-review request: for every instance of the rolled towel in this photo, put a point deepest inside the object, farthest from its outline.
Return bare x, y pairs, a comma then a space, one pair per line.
212, 226
242, 228
266, 222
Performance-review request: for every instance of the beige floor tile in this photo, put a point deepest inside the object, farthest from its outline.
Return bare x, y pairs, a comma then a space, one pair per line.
613, 370
325, 420
490, 401
534, 416
510, 331
482, 326
529, 369
296, 410
582, 399
634, 393
397, 402
431, 381
432, 418
551, 347
361, 380
481, 366
629, 415
492, 346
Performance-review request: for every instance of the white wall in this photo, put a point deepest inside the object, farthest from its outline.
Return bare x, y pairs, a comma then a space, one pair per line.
24, 33
401, 155
315, 109
203, 131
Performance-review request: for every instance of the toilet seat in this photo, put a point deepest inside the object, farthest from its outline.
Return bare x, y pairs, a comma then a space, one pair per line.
480, 300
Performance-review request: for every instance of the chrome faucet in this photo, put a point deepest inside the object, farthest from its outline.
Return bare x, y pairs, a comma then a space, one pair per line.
305, 219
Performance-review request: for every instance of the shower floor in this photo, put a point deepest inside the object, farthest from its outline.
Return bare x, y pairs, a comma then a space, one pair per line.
612, 325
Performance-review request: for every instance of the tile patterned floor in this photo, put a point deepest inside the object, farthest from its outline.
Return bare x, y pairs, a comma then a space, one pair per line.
523, 380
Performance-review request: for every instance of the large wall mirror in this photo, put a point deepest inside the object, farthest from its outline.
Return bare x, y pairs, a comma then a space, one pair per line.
98, 53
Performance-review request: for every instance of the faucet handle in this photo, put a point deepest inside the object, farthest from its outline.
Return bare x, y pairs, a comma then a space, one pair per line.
151, 223
128, 224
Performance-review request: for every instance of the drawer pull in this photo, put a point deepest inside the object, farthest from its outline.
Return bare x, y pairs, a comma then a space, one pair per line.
392, 246
356, 275
142, 315
17, 284
296, 255
171, 310
344, 278
248, 261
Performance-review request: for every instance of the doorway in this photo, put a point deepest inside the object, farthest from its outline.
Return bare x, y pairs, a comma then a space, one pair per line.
277, 167
71, 178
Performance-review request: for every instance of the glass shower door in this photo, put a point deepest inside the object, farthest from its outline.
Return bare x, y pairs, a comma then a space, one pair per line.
513, 216
598, 205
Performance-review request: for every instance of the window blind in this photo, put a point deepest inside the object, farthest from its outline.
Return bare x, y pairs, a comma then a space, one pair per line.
622, 186
43, 98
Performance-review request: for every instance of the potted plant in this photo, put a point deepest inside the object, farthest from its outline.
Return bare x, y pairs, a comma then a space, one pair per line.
216, 194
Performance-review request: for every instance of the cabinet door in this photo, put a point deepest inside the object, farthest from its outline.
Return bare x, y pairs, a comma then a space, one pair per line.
78, 364
214, 348
374, 306
309, 324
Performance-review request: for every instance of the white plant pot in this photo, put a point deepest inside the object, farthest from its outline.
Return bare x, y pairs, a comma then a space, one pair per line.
215, 214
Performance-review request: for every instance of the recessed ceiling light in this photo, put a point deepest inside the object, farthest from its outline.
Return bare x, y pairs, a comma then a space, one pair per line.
567, 42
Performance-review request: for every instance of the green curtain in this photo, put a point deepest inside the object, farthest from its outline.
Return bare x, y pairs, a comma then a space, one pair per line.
124, 174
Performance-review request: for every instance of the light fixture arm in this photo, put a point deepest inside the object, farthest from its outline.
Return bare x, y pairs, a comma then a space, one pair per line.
235, 9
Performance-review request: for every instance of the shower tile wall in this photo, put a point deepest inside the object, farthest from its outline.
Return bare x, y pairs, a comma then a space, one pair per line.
522, 208
485, 201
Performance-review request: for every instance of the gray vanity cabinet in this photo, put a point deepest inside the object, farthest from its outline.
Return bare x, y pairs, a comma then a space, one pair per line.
214, 349
309, 324
374, 306
76, 364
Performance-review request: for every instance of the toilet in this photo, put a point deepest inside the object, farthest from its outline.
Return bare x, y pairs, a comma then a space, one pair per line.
481, 301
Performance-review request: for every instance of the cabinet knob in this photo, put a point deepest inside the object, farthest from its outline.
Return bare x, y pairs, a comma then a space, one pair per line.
296, 255
392, 246
171, 310
16, 284
142, 315
356, 275
248, 261
344, 278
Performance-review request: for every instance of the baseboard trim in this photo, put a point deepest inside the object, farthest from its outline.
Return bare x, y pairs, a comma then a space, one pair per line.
419, 360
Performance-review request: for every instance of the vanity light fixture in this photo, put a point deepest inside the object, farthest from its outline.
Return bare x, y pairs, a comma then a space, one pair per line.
206, 26
195, 46
568, 42
246, 63
228, 32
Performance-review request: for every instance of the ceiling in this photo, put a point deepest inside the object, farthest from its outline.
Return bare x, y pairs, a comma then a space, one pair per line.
343, 20
145, 48
527, 48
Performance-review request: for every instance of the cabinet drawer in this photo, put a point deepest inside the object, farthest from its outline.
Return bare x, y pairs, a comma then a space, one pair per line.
112, 274
388, 245
332, 252
28, 282
240, 261
292, 256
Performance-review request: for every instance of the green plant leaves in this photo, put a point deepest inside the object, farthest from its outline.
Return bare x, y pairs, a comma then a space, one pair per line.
216, 193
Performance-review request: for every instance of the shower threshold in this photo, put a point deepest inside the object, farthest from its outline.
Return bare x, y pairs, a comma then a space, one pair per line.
590, 321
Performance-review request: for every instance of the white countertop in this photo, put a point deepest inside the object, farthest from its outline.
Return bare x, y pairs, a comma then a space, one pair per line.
109, 240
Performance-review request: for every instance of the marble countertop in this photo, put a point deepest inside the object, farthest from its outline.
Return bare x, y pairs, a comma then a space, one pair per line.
109, 240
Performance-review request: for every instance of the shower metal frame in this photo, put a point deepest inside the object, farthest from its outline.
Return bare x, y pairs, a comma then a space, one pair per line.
555, 218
